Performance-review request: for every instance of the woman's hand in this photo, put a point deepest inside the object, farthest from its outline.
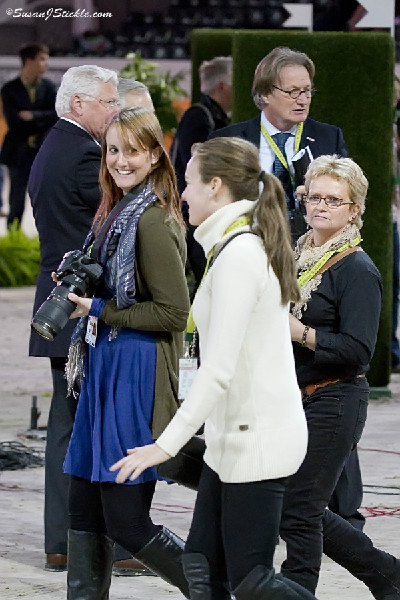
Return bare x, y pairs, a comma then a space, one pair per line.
297, 331
83, 305
26, 115
137, 461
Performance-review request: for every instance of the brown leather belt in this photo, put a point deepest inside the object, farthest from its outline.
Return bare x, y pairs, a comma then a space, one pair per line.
312, 387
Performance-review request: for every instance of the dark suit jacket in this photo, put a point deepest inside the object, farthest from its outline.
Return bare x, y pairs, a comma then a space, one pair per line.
195, 125
15, 98
64, 191
320, 137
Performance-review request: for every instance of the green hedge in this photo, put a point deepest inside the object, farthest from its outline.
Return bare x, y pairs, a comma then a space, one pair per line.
354, 79
19, 258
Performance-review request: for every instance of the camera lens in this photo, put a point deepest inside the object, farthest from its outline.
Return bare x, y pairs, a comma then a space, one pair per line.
54, 313
78, 273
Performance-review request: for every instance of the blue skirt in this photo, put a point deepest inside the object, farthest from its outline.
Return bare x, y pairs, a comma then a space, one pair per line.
115, 405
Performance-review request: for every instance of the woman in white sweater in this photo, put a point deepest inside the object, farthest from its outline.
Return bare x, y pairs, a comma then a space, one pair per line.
245, 390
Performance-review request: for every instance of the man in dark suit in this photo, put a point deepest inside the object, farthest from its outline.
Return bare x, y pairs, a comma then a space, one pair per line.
65, 194
28, 106
282, 90
207, 115
196, 124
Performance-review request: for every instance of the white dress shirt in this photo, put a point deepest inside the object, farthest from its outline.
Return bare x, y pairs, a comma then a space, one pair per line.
267, 155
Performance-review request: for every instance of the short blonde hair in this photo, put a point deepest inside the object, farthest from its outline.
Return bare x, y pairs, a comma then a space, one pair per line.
343, 169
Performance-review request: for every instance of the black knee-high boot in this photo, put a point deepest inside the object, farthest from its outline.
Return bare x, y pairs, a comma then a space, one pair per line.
90, 557
352, 549
201, 585
262, 583
163, 555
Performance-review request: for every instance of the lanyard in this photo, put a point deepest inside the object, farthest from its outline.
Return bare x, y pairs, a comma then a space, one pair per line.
274, 147
310, 273
190, 326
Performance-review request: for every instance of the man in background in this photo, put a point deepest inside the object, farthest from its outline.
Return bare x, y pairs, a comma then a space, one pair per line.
197, 123
134, 94
282, 91
28, 106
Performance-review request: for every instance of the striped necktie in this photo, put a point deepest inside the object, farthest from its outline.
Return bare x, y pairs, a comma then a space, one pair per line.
279, 170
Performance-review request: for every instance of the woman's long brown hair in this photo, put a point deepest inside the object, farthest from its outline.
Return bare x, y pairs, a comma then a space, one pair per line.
270, 222
144, 126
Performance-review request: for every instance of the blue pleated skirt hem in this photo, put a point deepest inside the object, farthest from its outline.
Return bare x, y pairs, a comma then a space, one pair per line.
115, 405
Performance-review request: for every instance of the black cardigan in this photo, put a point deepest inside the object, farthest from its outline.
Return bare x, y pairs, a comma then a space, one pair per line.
344, 311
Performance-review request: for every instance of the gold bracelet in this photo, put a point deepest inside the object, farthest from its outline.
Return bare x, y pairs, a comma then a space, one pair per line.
304, 336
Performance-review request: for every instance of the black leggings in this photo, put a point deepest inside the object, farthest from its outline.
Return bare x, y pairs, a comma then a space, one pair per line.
121, 511
235, 525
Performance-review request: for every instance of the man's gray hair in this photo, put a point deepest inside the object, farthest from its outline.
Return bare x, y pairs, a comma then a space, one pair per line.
84, 80
268, 71
130, 85
213, 71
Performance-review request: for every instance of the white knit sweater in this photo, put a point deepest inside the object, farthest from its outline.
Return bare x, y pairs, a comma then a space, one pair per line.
245, 390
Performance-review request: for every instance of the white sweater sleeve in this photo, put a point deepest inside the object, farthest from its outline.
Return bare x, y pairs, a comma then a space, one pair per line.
235, 281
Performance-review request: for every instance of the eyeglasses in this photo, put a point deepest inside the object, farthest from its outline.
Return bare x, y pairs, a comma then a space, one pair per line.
296, 92
106, 103
330, 201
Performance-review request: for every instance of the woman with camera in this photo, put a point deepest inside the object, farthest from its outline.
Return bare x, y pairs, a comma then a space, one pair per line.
334, 328
124, 351
245, 390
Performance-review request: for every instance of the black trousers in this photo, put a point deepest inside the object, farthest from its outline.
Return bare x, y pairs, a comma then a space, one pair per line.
235, 525
19, 175
336, 415
121, 511
354, 551
59, 429
348, 493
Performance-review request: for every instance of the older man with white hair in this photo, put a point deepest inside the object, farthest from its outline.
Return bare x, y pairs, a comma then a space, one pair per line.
65, 194
134, 94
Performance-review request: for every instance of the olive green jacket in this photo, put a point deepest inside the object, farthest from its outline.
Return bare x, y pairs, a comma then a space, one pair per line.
163, 306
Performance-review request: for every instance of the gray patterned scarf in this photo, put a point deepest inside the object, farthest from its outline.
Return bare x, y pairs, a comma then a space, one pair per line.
117, 255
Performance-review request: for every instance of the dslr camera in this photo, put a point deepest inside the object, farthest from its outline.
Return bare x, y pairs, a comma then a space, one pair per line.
79, 274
